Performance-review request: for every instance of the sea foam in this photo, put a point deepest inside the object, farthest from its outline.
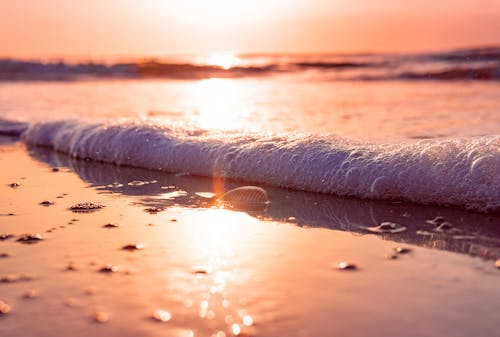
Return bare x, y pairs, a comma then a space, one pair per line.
462, 172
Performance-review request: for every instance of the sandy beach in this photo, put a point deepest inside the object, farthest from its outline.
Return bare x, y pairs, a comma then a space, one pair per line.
222, 168
191, 268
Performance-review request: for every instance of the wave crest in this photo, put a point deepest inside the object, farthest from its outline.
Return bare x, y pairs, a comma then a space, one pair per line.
460, 172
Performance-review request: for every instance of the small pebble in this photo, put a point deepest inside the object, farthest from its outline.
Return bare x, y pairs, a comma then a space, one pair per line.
90, 290
30, 294
109, 268
71, 266
30, 238
132, 247
153, 210
402, 250
347, 266
161, 315
12, 278
47, 203
110, 225
392, 256
130, 271
4, 308
55, 169
101, 317
86, 207
4, 255
14, 185
70, 302
6, 236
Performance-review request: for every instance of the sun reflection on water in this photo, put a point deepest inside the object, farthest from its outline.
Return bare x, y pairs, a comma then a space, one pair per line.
217, 275
225, 60
219, 101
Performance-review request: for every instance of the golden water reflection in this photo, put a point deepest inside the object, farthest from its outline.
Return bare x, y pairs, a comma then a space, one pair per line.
218, 258
225, 60
220, 105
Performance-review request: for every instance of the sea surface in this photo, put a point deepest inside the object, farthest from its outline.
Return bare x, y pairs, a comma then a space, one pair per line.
374, 207
423, 128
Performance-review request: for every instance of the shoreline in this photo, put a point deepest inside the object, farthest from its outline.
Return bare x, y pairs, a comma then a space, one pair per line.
210, 268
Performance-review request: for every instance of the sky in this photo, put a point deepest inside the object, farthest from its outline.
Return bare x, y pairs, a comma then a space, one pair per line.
101, 28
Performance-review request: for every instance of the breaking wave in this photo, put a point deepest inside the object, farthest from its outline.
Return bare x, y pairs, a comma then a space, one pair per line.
460, 172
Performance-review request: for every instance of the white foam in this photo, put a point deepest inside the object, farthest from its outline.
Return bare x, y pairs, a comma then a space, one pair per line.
462, 172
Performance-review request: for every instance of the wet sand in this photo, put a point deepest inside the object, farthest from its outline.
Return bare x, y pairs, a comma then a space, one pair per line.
193, 269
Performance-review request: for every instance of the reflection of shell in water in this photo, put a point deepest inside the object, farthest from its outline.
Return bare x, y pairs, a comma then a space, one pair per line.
245, 198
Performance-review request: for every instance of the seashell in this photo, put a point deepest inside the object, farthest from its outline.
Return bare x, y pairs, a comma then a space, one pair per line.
250, 198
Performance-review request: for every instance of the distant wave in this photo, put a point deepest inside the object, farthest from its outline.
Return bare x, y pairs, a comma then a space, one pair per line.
22, 70
468, 55
332, 65
462, 172
467, 64
456, 73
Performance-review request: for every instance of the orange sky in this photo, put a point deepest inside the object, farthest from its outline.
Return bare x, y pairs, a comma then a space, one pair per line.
99, 28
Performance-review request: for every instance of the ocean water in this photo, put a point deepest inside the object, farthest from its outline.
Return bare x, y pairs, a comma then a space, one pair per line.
422, 128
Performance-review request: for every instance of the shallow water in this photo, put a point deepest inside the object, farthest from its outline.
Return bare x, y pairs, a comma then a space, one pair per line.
212, 269
384, 111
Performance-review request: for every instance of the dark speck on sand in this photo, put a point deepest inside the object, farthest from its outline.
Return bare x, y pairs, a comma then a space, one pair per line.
86, 207
6, 236
153, 210
346, 266
30, 238
133, 247
109, 268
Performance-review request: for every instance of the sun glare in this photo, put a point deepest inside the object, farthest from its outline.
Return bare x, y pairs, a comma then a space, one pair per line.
219, 108
225, 60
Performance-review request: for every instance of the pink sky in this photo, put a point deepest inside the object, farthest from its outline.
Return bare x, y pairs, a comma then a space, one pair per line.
97, 28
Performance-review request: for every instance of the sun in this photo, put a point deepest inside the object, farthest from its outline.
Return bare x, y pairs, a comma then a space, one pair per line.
225, 60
